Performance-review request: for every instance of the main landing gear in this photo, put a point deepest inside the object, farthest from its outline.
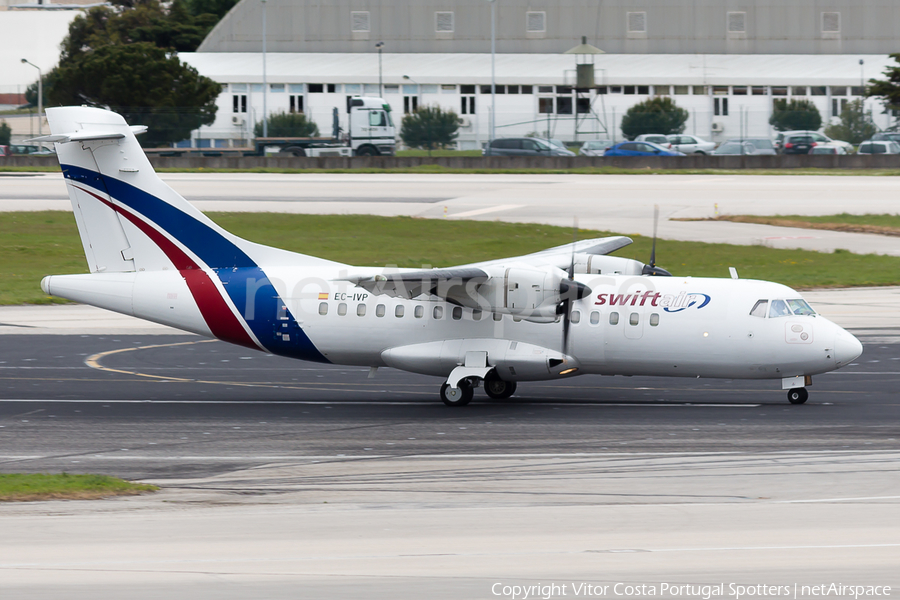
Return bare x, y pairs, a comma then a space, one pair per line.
797, 395
494, 387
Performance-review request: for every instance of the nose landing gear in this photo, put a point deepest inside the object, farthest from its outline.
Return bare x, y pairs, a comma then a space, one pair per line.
797, 395
457, 396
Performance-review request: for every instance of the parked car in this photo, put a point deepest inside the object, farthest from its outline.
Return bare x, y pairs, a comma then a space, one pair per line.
827, 149
735, 148
640, 149
23, 149
798, 143
594, 147
761, 145
817, 137
886, 135
879, 147
654, 138
5, 151
691, 144
523, 147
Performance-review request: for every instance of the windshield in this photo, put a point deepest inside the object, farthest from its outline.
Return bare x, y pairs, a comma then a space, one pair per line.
762, 144
778, 308
800, 307
598, 144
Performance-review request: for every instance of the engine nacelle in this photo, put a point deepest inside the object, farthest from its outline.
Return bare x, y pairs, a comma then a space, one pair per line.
523, 291
597, 264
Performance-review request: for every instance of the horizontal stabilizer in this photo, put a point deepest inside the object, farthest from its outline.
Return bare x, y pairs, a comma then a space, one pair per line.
88, 135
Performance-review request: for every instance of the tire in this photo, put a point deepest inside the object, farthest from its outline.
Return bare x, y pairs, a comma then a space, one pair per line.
293, 150
798, 395
457, 396
367, 151
498, 389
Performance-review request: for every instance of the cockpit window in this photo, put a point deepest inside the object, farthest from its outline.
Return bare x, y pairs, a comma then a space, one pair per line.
759, 309
800, 307
779, 309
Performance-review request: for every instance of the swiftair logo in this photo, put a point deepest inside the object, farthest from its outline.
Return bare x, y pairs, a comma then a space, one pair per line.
669, 302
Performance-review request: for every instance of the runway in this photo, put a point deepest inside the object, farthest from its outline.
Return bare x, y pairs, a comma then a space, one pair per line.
283, 479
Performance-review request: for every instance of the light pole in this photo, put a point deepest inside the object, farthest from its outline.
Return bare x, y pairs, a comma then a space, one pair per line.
40, 94
380, 45
862, 78
265, 83
493, 83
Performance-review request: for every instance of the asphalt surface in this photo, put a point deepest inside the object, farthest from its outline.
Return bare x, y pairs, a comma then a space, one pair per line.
182, 406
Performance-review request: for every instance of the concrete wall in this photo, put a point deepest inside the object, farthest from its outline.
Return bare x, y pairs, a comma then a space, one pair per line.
502, 162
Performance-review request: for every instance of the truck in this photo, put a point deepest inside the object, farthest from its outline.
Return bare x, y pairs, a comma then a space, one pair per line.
370, 132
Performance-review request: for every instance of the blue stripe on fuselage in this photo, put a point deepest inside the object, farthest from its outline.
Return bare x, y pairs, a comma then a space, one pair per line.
237, 271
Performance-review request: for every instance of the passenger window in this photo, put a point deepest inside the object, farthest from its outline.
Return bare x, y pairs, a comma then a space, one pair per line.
654, 320
595, 317
342, 308
800, 307
323, 308
379, 310
398, 312
360, 310
634, 319
576, 316
759, 309
778, 309
457, 313
613, 318
419, 311
438, 312
476, 314
498, 317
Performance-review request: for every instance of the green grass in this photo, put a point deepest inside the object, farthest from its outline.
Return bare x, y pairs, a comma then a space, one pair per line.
35, 244
884, 224
892, 221
44, 486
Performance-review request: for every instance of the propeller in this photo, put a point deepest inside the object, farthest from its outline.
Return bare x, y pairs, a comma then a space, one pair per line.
651, 268
570, 290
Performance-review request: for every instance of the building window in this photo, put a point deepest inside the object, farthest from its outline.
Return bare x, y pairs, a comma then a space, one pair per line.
798, 90
662, 90
699, 90
759, 90
467, 103
535, 21
512, 89
467, 89
681, 90
737, 22
739, 90
545, 89
720, 90
818, 90
831, 22
276, 88
359, 21
239, 103
637, 22
443, 22
583, 106
856, 90
296, 103
838, 90
410, 104
564, 105
837, 106
628, 89
545, 106
316, 88
643, 90
720, 107
779, 91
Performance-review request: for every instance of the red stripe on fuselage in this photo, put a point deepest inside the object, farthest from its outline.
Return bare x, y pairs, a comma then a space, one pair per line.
218, 315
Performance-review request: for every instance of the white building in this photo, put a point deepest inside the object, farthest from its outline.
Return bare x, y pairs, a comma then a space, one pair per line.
726, 95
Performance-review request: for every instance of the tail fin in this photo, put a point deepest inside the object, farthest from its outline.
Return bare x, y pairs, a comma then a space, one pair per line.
128, 218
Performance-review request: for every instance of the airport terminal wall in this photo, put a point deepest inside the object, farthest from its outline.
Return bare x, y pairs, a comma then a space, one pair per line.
696, 161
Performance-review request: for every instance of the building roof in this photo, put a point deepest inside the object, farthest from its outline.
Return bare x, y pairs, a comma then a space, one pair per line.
534, 69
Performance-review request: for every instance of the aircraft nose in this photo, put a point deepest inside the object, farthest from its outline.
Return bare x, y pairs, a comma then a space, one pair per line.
846, 348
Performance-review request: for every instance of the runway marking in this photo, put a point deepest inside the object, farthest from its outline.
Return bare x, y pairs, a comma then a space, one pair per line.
484, 211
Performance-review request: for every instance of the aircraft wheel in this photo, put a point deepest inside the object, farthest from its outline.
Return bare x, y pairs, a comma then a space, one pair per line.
797, 395
498, 389
458, 396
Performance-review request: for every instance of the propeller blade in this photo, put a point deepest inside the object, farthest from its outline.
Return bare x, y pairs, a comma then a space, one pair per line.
655, 223
565, 328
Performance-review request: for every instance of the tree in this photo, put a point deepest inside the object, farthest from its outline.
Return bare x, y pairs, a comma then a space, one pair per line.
5, 133
856, 124
429, 128
796, 115
887, 89
210, 7
656, 115
145, 84
31, 92
288, 125
123, 57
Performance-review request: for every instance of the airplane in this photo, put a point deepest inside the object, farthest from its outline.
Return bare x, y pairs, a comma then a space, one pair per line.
565, 311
